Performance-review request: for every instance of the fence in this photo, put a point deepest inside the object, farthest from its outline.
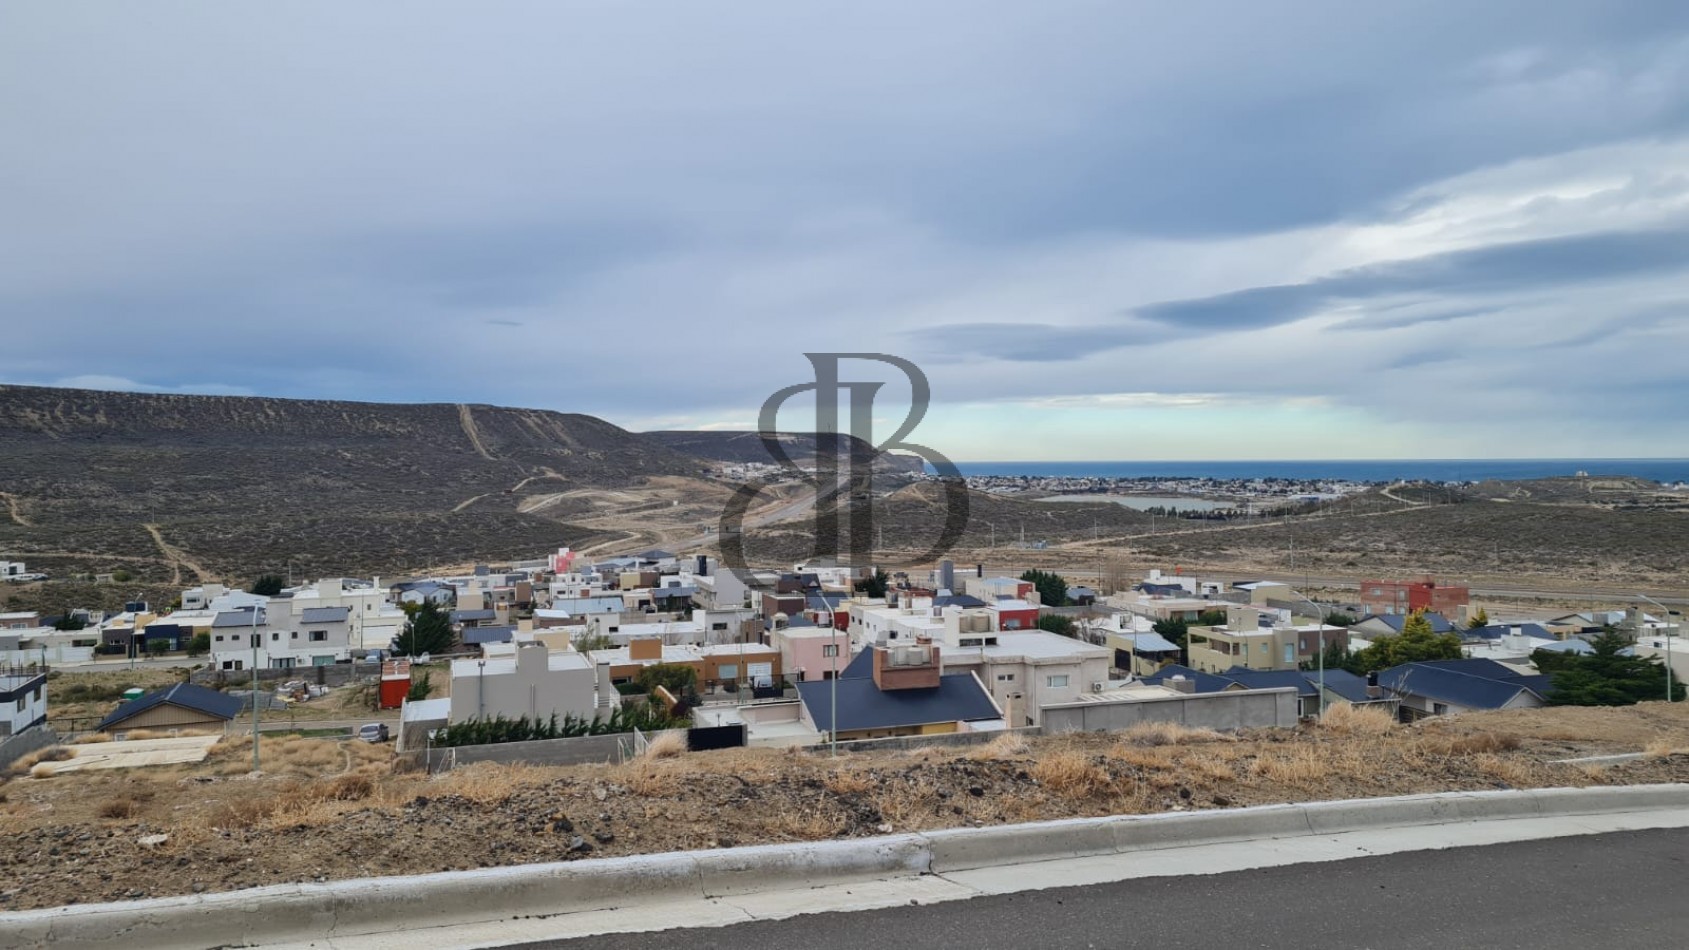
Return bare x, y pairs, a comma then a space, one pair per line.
335, 674
918, 742
584, 750
1243, 709
22, 744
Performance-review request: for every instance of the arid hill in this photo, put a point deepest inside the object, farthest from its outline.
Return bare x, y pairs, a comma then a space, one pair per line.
176, 487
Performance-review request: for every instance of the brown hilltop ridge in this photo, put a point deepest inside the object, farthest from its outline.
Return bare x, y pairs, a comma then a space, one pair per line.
251, 483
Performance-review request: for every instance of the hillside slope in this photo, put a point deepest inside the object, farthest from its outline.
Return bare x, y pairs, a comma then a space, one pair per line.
232, 485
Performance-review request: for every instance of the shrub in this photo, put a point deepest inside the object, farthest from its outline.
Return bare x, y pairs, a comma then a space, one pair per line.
119, 808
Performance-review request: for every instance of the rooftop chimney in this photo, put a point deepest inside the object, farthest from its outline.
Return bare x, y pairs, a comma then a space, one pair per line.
1373, 690
1179, 684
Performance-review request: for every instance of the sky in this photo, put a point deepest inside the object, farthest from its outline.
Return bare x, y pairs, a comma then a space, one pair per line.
1103, 230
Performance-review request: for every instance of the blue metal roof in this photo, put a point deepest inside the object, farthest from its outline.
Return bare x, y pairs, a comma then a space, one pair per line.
1439, 623
1452, 685
1271, 679
1496, 631
186, 695
1205, 682
958, 697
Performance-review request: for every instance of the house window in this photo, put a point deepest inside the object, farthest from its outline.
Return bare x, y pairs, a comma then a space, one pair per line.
275, 636
973, 641
728, 671
294, 635
830, 649
1005, 677
219, 638
20, 703
1056, 682
319, 636
1289, 654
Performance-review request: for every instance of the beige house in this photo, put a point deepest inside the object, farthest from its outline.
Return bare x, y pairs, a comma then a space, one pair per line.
1243, 641
182, 706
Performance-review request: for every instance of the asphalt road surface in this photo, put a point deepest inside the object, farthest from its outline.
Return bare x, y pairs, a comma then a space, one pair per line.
1614, 891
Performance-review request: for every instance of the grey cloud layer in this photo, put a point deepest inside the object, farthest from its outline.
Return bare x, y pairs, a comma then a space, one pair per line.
538, 203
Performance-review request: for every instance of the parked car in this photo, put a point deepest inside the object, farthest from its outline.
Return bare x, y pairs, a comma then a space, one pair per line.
373, 732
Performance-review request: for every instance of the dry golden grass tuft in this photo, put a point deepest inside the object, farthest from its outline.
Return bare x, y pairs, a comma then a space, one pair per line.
1476, 743
1070, 773
38, 764
848, 782
1149, 759
666, 745
91, 738
1516, 772
1004, 747
485, 782
118, 808
810, 824
1299, 767
1663, 748
1171, 733
141, 735
1346, 720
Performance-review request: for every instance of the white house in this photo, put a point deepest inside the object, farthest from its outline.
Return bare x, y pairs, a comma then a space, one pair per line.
372, 622
535, 682
316, 636
23, 702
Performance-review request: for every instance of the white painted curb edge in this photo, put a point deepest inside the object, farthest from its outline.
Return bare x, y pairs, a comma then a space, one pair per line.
301, 912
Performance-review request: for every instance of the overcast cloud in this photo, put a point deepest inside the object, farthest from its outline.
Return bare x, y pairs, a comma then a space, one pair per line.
1141, 230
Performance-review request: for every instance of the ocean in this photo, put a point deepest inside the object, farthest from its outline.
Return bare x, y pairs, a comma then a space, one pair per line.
1355, 470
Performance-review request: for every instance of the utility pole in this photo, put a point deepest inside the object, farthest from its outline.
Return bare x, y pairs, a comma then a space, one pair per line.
255, 687
1669, 627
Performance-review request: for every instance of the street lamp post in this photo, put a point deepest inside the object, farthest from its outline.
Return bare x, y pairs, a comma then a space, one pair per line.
1669, 627
255, 636
833, 733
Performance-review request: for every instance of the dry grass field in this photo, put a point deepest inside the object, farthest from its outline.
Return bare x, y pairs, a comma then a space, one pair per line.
325, 810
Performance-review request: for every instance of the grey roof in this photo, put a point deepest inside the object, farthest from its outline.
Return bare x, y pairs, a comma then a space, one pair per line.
1271, 679
1343, 683
669, 593
475, 636
1439, 623
1456, 686
1205, 682
1574, 645
957, 600
324, 614
1150, 643
186, 695
236, 618
459, 616
958, 697
656, 554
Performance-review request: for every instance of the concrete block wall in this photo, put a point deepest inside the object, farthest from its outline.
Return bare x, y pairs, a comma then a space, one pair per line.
25, 742
1248, 709
583, 750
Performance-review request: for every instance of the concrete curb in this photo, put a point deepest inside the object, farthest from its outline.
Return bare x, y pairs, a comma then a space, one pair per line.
301, 912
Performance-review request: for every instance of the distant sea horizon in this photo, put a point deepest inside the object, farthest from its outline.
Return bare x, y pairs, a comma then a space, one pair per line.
1354, 470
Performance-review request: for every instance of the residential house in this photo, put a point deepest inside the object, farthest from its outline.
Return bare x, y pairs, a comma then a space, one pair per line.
533, 681
1447, 687
1385, 625
1027, 670
182, 706
372, 622
812, 653
714, 664
316, 636
1254, 640
23, 699
899, 690
999, 588
1379, 596
20, 620
1014, 613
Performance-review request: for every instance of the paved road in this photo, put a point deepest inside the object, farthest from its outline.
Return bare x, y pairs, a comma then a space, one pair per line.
1615, 891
